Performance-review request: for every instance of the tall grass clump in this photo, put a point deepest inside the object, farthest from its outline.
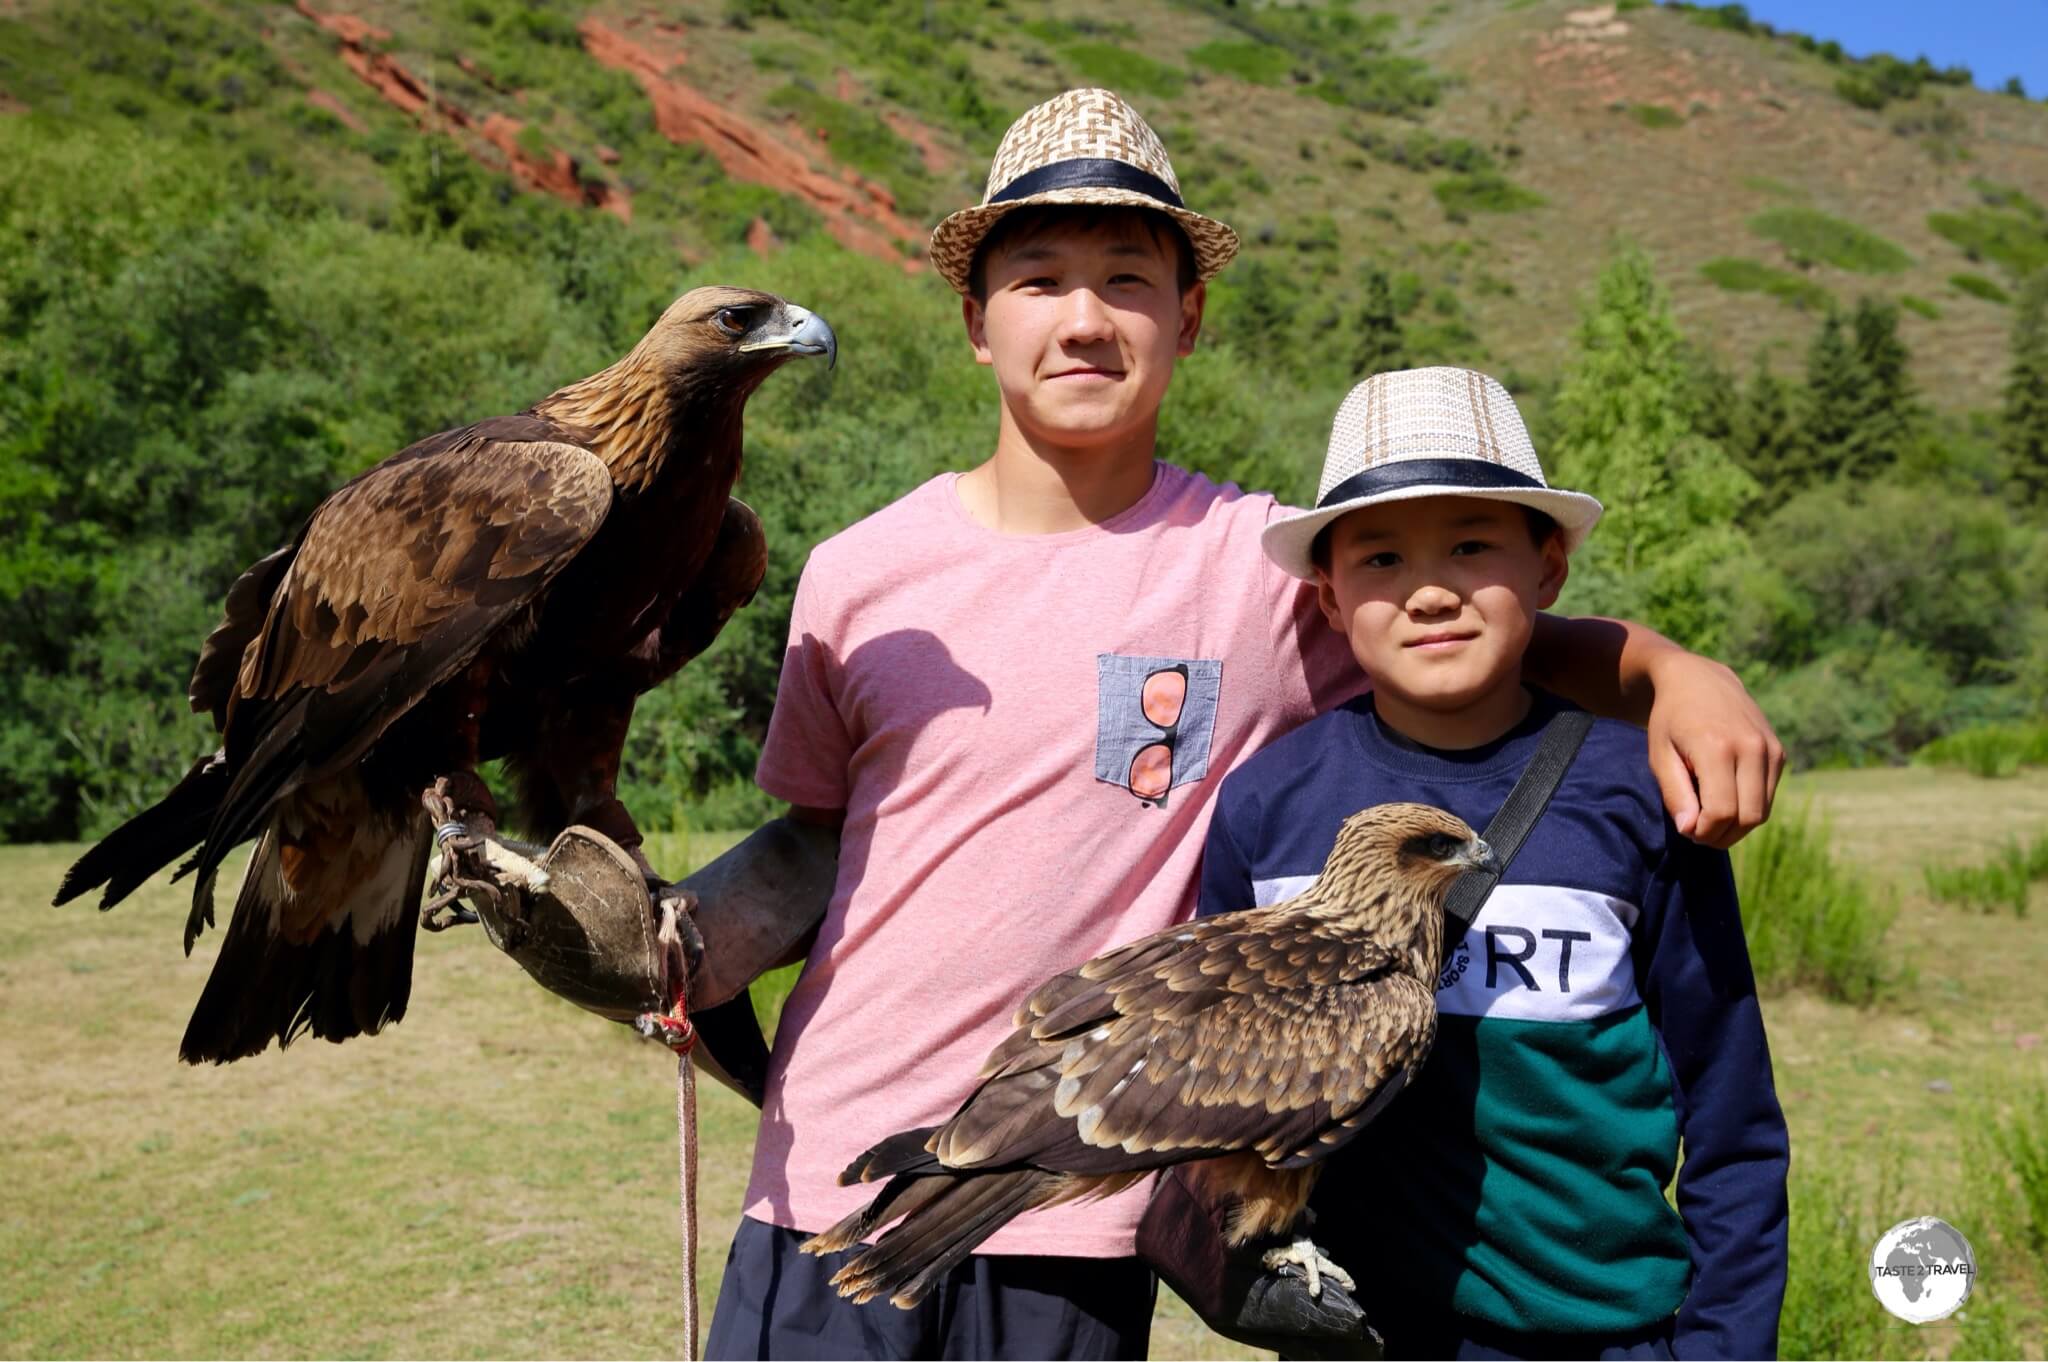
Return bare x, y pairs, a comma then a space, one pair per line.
2001, 882
1991, 750
1810, 921
1835, 1218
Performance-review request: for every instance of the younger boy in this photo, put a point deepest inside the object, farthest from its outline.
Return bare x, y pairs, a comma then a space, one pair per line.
1601, 1009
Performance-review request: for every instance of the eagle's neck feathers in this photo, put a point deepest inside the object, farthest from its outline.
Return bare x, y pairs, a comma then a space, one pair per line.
645, 423
1363, 894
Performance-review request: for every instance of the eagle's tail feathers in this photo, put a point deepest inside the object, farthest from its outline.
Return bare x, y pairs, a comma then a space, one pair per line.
152, 839
346, 980
904, 1196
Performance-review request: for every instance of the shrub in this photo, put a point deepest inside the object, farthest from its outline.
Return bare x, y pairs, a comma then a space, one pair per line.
1741, 275
1813, 235
1656, 116
1977, 286
2014, 238
1920, 307
1990, 750
1810, 921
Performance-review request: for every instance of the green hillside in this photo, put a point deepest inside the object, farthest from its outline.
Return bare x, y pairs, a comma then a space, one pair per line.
248, 249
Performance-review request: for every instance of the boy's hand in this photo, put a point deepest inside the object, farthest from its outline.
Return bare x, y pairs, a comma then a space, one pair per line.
1714, 753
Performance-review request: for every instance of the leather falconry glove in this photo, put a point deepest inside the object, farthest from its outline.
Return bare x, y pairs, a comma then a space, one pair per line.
588, 929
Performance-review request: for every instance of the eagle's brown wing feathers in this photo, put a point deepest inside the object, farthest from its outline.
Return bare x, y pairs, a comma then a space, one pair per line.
397, 581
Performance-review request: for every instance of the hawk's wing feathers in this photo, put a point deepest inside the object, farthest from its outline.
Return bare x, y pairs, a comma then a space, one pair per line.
1221, 1036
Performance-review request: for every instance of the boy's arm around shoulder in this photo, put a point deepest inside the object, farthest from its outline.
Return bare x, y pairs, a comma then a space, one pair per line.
1714, 753
1701, 995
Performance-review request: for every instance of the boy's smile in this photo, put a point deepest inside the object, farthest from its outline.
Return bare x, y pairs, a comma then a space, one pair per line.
1437, 597
1082, 329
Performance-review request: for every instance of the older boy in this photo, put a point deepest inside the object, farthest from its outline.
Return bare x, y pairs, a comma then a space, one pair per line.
1599, 1012
1016, 690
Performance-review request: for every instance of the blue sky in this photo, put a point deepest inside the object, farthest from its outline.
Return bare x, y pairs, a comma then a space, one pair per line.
1994, 38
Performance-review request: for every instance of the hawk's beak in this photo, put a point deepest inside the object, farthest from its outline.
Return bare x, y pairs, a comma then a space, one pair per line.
1477, 855
802, 332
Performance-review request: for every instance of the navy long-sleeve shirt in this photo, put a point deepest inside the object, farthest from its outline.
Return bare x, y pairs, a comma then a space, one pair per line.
1600, 1015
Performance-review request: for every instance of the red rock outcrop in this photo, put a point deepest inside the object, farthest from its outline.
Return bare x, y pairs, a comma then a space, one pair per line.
859, 213
556, 174
320, 99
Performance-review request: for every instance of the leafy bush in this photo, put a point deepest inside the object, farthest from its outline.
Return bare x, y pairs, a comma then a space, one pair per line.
1920, 307
1977, 286
1740, 275
1810, 921
1992, 750
2000, 882
1813, 235
2014, 238
1657, 115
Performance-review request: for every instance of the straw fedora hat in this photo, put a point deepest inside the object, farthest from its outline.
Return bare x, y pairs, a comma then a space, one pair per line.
1438, 432
1085, 146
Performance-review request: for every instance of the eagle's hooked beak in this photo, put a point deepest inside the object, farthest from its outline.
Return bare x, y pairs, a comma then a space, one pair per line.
1477, 855
802, 332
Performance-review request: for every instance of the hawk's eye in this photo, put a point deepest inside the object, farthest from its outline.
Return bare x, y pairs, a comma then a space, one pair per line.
732, 321
1443, 846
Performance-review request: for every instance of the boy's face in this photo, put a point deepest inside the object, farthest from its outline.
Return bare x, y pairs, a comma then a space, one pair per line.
1082, 328
1438, 596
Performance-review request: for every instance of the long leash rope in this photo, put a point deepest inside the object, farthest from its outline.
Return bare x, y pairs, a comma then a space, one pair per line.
674, 1029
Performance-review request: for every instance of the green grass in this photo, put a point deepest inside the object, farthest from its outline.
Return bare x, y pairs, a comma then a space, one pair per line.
1739, 275
1258, 63
1483, 192
1656, 115
494, 1176
2003, 881
1812, 921
1919, 307
1810, 234
1119, 68
1977, 286
2008, 228
862, 140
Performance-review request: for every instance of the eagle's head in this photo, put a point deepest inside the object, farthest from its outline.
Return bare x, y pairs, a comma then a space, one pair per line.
1393, 865
733, 337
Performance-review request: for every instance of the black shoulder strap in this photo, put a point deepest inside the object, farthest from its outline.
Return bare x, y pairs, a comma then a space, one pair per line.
1518, 814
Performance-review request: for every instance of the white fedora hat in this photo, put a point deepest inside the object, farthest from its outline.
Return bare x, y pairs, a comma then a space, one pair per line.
1084, 146
1438, 432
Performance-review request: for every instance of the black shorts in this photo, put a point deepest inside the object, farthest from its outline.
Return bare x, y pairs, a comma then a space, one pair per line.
777, 1302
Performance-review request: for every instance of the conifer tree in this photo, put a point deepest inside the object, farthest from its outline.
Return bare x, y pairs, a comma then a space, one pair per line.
1886, 413
1626, 427
1377, 342
1769, 438
1834, 385
2024, 420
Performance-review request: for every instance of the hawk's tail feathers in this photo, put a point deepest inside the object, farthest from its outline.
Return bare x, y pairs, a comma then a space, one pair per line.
152, 839
954, 1213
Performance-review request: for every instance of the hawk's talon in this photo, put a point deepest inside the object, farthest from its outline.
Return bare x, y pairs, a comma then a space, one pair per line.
1302, 1258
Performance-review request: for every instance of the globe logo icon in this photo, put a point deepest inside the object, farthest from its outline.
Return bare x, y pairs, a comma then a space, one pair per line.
1922, 1270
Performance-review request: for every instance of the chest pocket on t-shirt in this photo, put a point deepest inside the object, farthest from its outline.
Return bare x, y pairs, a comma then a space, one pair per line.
1154, 720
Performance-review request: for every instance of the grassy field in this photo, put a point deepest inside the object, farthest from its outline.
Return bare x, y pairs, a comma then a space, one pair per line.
495, 1176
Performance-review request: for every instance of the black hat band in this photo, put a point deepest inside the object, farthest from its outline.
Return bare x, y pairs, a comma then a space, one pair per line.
1394, 477
1087, 173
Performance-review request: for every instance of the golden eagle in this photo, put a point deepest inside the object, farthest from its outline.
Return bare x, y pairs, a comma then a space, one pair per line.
508, 590
1249, 1046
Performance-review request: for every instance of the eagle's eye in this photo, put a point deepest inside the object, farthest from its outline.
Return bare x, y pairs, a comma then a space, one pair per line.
732, 321
1443, 846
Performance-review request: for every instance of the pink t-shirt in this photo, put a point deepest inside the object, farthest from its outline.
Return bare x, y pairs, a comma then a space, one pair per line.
976, 703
